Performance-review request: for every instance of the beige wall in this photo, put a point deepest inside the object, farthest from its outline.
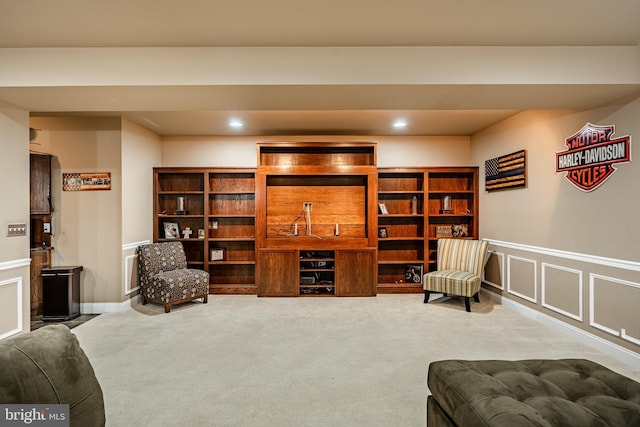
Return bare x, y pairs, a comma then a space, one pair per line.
87, 224
569, 254
203, 151
141, 152
14, 251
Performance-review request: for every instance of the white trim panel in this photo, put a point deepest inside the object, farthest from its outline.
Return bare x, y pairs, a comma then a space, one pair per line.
533, 299
19, 326
500, 256
622, 333
127, 266
544, 302
128, 271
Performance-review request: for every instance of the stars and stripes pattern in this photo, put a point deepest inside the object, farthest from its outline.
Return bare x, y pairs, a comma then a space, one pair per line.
506, 172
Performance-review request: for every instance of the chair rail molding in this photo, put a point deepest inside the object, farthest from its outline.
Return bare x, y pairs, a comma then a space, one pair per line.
8, 265
594, 259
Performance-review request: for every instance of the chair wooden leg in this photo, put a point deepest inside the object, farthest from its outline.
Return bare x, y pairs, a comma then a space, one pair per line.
476, 297
426, 296
205, 299
467, 304
167, 307
144, 299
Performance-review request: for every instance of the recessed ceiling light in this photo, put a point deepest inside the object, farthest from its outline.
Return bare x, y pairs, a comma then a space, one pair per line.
400, 124
236, 123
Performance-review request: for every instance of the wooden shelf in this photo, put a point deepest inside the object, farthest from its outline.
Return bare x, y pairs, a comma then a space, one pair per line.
224, 195
412, 238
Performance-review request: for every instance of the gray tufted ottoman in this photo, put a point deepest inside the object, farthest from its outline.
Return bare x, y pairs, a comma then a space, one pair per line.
568, 392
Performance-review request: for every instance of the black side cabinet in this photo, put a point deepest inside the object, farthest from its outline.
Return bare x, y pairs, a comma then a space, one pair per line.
61, 293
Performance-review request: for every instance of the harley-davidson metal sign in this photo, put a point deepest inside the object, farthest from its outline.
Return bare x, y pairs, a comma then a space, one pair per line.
591, 155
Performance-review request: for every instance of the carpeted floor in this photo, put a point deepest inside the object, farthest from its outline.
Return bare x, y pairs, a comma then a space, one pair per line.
248, 361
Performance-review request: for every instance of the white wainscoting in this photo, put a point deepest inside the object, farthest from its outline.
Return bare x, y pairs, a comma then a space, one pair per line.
129, 275
604, 274
500, 257
12, 289
511, 259
6, 285
129, 284
593, 302
546, 266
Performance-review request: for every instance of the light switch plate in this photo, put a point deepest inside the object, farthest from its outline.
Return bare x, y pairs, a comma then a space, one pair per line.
46, 227
17, 229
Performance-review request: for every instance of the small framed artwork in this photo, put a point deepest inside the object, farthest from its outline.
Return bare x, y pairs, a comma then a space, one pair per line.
216, 254
383, 209
443, 231
413, 273
382, 232
200, 233
171, 230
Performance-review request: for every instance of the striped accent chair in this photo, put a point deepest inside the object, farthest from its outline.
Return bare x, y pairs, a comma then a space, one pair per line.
164, 277
459, 270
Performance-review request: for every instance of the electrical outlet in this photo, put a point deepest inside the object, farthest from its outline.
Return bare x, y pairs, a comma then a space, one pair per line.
307, 206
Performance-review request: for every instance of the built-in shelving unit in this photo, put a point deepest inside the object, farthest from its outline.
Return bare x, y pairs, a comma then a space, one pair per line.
413, 202
457, 217
217, 206
401, 229
368, 230
231, 230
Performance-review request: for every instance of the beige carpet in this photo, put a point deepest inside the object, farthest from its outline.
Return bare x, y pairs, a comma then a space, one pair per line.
248, 361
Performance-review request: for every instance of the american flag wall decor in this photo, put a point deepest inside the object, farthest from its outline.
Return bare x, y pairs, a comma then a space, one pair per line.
506, 172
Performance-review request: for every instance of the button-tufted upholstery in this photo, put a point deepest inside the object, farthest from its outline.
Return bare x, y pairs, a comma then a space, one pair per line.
568, 392
164, 277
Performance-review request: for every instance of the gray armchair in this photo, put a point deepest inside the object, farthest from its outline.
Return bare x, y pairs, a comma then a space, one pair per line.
164, 277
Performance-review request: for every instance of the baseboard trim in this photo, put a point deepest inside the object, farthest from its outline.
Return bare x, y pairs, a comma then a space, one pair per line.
623, 354
108, 307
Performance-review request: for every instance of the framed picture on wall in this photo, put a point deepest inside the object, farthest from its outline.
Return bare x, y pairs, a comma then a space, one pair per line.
382, 232
383, 209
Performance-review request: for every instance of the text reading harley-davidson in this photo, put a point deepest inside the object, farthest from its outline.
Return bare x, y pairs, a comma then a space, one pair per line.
591, 154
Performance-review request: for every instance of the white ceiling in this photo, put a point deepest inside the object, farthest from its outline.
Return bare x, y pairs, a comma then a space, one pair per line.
239, 23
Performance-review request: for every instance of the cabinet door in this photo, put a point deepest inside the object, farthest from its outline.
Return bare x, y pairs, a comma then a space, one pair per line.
277, 272
40, 258
356, 274
40, 183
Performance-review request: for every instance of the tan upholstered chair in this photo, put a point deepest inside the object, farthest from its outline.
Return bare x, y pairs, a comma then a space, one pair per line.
164, 277
459, 270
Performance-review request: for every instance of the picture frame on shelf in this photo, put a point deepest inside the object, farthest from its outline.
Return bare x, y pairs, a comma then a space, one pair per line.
443, 231
216, 254
171, 230
383, 209
382, 232
200, 233
413, 273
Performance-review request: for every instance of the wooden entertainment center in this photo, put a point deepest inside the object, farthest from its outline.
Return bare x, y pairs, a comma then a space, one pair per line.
314, 219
